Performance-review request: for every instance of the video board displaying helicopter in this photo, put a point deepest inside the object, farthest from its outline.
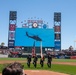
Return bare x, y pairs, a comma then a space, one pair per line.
26, 36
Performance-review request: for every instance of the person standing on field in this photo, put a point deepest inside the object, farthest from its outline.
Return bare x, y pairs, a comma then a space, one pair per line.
49, 60
28, 60
42, 61
35, 58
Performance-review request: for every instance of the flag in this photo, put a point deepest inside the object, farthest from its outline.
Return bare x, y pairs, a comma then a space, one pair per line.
33, 49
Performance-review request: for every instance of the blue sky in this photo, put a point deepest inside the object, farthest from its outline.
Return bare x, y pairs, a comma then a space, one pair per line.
41, 9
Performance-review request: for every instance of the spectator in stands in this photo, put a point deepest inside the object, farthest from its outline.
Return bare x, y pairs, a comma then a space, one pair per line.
13, 69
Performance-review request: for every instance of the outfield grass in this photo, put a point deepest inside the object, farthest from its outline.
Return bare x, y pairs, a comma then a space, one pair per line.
64, 60
69, 69
54, 60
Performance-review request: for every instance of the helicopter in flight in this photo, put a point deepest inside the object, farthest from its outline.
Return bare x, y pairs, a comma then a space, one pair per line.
35, 37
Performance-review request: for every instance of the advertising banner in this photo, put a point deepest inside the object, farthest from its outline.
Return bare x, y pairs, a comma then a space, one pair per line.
57, 36
11, 43
58, 45
11, 35
13, 15
57, 29
37, 21
12, 27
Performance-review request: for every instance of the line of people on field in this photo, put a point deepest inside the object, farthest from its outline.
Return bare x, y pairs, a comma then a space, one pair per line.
16, 68
42, 59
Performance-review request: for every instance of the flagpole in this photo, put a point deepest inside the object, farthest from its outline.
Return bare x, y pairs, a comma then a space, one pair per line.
41, 48
33, 49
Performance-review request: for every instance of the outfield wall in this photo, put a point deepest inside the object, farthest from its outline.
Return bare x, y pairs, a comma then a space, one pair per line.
3, 56
66, 57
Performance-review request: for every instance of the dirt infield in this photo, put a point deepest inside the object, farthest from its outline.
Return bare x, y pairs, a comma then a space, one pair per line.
66, 63
42, 72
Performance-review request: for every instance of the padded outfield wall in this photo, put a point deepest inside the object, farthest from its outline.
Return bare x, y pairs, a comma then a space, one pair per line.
47, 36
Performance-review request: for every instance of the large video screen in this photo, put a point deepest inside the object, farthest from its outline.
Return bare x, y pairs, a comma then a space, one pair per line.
27, 36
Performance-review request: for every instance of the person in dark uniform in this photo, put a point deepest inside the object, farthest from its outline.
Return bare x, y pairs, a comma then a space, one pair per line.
35, 58
42, 61
28, 60
49, 60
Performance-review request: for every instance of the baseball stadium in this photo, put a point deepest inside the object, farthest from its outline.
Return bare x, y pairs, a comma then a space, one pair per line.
36, 32
36, 38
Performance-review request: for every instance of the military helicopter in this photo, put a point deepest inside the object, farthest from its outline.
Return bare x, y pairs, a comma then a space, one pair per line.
35, 37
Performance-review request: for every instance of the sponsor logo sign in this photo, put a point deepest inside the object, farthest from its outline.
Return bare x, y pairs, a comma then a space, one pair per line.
11, 43
57, 44
11, 35
12, 27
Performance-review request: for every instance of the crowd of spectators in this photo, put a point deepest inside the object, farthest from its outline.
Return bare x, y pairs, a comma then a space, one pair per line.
54, 53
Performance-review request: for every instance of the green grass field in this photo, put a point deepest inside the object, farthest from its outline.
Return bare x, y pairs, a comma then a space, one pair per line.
69, 69
64, 60
54, 60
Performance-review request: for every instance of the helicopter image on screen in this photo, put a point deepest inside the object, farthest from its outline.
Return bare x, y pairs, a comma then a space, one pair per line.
35, 37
